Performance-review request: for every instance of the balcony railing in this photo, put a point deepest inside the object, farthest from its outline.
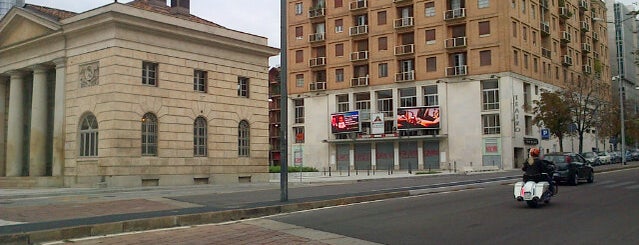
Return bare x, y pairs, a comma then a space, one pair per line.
595, 36
586, 48
456, 71
585, 27
317, 86
361, 55
455, 14
359, 81
583, 5
317, 37
564, 13
358, 30
405, 76
319, 61
405, 49
317, 12
404, 22
566, 60
358, 4
566, 37
546, 53
586, 69
456, 42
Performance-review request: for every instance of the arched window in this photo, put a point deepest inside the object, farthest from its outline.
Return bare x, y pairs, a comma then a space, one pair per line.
243, 139
199, 137
89, 136
149, 135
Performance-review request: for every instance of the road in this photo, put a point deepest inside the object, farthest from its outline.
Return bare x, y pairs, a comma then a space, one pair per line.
605, 212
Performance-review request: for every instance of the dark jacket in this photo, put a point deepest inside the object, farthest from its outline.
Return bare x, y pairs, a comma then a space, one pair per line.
533, 168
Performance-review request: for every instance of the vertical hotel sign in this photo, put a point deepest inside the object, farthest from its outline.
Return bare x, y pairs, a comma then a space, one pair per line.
492, 146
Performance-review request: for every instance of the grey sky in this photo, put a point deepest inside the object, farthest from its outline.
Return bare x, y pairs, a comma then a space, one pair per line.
259, 17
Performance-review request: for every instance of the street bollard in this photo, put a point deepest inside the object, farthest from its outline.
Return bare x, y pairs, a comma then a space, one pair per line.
455, 166
410, 168
329, 171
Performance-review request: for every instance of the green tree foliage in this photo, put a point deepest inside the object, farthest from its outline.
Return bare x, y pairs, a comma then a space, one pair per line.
553, 113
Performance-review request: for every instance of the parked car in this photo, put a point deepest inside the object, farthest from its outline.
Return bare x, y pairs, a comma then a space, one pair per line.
615, 156
570, 168
592, 158
604, 157
634, 155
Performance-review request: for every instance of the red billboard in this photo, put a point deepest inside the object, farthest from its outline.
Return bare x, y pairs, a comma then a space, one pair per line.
418, 118
345, 122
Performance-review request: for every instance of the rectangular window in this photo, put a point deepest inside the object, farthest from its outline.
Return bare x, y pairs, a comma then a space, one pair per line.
485, 58
535, 65
534, 38
339, 25
515, 57
150, 73
339, 75
382, 43
431, 64
483, 4
490, 95
407, 97
343, 104
383, 69
299, 110
514, 29
429, 9
299, 8
199, 80
299, 56
523, 6
381, 18
299, 32
524, 33
430, 95
299, 80
338, 3
525, 61
430, 36
363, 101
339, 50
490, 123
385, 102
299, 134
243, 87
484, 28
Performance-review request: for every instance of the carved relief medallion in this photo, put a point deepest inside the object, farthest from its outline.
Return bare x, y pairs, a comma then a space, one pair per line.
89, 74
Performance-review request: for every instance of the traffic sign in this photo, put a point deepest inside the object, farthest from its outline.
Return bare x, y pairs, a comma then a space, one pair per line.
545, 134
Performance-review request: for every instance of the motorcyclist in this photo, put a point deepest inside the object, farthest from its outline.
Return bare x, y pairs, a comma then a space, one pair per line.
534, 168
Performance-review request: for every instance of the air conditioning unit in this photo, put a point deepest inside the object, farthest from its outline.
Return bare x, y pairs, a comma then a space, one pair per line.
587, 69
565, 36
567, 60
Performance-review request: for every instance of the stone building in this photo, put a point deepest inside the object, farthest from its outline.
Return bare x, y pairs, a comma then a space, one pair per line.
131, 94
475, 67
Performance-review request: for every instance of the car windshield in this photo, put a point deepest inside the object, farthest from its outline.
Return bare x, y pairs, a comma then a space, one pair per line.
559, 160
601, 153
589, 155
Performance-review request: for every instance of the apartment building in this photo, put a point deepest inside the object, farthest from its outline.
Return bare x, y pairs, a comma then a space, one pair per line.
433, 84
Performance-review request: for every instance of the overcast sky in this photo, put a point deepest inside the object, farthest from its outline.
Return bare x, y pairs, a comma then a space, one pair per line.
259, 17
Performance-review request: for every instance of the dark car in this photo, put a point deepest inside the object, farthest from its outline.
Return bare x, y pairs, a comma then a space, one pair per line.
570, 168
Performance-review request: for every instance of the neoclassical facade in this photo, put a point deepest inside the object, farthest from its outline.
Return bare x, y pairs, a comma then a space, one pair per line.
135, 94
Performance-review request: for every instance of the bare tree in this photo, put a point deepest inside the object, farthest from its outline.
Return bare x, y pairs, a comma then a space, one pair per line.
585, 100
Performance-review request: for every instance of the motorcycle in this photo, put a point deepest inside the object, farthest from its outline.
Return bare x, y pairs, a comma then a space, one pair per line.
534, 192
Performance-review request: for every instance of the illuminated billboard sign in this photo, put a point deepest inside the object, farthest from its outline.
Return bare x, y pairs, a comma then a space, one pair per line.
418, 118
345, 122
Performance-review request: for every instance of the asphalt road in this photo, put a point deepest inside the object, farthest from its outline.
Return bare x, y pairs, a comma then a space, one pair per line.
605, 212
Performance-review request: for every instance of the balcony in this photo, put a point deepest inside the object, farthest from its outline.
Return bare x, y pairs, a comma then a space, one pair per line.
595, 54
358, 5
564, 13
546, 53
405, 76
545, 28
317, 37
405, 49
358, 30
566, 60
359, 56
586, 69
595, 36
319, 61
316, 12
452, 71
404, 22
456, 42
565, 37
585, 27
454, 14
317, 86
583, 5
586, 48
359, 81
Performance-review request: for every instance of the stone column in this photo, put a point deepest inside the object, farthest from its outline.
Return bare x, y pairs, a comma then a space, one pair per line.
38, 136
59, 117
3, 125
15, 130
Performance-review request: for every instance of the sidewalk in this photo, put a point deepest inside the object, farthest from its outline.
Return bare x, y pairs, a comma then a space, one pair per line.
57, 214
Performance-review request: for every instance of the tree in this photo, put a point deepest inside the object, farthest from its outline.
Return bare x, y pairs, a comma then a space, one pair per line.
553, 113
584, 99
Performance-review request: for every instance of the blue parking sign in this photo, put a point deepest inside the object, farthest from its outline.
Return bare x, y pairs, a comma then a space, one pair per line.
545, 134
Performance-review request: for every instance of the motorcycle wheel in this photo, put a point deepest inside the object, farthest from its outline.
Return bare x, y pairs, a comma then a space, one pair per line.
532, 203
